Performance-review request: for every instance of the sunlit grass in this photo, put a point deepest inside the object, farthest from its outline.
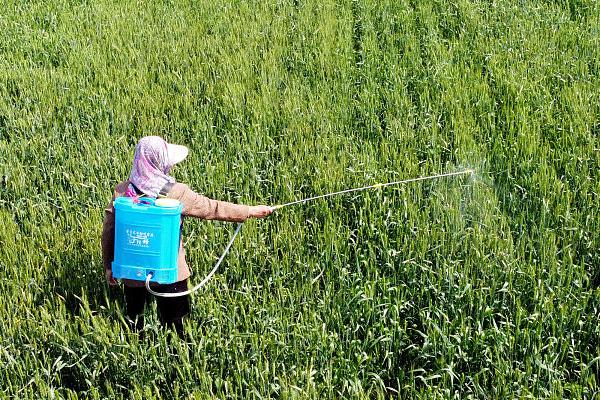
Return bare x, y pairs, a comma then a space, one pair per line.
482, 286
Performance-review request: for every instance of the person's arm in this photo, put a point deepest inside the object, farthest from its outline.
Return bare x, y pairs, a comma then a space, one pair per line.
108, 242
199, 206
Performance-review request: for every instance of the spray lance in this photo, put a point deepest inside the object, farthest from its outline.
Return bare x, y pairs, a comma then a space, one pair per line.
280, 206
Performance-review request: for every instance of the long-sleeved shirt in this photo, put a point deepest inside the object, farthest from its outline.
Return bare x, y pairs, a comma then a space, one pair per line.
194, 205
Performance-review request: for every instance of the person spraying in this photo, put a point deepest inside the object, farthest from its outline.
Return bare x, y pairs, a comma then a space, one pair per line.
149, 177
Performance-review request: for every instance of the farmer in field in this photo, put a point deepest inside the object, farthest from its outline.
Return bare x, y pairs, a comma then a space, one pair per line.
150, 177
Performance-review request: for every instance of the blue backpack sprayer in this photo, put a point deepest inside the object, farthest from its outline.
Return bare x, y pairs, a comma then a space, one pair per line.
147, 235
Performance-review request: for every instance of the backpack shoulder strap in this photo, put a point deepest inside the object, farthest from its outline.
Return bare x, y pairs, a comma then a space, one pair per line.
136, 190
166, 189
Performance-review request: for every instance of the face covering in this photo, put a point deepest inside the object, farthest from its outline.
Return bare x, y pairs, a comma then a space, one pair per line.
151, 165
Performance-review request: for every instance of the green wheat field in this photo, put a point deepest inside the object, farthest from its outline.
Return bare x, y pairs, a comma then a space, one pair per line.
477, 286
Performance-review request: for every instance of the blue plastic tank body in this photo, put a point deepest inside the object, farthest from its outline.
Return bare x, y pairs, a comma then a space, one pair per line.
146, 240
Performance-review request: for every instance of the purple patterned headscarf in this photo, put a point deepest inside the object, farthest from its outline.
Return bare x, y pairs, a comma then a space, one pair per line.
151, 166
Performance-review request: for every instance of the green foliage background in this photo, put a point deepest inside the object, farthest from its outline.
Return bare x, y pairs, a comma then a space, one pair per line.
481, 287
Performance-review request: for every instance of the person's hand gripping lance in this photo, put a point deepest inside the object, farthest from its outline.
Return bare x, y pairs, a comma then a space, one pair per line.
260, 211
